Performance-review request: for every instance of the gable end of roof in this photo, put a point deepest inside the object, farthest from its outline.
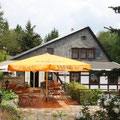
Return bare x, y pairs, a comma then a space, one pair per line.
59, 38
101, 46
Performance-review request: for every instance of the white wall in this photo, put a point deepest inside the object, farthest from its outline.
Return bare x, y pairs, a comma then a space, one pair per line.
41, 77
84, 79
27, 77
103, 80
65, 78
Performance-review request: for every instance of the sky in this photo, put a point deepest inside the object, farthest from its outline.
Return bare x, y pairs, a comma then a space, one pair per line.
61, 14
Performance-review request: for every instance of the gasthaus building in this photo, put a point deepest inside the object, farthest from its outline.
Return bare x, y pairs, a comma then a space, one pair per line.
80, 45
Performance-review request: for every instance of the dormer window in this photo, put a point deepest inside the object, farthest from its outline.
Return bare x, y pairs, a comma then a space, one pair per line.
50, 50
83, 37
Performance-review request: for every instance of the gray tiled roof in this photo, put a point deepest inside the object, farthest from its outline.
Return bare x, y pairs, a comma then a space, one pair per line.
44, 44
6, 62
103, 65
60, 38
94, 65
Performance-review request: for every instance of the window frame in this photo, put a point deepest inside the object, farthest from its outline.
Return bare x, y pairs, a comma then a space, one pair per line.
93, 49
51, 50
96, 83
75, 73
73, 53
79, 56
80, 52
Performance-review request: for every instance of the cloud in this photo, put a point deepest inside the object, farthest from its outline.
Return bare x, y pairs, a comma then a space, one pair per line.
61, 14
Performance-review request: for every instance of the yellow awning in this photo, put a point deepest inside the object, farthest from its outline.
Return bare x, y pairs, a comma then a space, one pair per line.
48, 62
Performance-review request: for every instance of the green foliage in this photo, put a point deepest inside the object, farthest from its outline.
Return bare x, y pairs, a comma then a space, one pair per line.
83, 95
30, 39
1, 75
110, 109
84, 114
116, 9
1, 21
17, 40
8, 95
60, 113
112, 75
54, 34
3, 55
111, 39
9, 41
111, 42
27, 85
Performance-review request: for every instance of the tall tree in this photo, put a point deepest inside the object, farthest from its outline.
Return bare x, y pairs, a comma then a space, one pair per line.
10, 43
52, 35
20, 34
5, 26
114, 30
18, 29
1, 21
111, 43
1, 26
30, 38
115, 48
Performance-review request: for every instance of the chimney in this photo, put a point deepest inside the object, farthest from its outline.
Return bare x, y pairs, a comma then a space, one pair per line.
72, 30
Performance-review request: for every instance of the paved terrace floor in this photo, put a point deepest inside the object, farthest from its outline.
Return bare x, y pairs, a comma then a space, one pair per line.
50, 110
57, 102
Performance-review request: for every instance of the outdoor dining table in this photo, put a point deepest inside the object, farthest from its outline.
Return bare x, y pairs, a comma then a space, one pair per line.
28, 98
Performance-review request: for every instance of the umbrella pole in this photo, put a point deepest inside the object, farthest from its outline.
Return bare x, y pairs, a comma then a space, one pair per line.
46, 86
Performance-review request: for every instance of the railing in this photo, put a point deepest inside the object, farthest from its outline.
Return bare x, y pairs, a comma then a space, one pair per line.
82, 95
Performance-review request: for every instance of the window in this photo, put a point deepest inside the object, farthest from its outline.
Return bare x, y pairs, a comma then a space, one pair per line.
50, 76
75, 53
91, 53
113, 81
83, 53
94, 79
50, 50
75, 76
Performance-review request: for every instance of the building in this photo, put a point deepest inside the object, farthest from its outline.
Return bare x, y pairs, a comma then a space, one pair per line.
80, 45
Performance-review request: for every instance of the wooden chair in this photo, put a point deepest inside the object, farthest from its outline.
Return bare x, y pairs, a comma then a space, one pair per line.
35, 97
24, 100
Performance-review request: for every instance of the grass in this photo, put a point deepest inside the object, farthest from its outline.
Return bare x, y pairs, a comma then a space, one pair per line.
8, 112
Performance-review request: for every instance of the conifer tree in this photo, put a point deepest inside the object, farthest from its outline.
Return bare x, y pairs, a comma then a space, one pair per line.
30, 38
54, 34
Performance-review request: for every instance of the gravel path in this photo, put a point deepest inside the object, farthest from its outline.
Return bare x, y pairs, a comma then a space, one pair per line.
53, 114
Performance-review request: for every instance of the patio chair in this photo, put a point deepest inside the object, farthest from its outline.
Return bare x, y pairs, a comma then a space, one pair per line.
24, 100
12, 87
57, 83
35, 98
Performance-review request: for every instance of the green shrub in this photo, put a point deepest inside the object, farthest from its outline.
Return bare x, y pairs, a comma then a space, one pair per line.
1, 75
110, 109
82, 94
8, 95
